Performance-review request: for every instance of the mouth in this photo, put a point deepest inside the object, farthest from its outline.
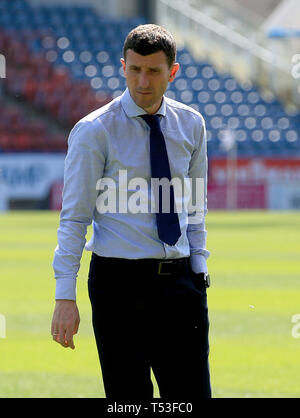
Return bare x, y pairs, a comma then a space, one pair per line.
144, 93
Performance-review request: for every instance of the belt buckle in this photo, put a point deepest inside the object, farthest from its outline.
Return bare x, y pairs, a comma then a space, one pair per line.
161, 263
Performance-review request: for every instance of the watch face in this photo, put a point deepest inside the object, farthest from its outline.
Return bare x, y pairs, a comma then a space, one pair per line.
207, 280
203, 278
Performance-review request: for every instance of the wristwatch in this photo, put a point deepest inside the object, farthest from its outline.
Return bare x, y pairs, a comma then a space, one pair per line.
203, 277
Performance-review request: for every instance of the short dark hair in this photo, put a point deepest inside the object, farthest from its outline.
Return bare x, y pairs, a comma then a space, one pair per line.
150, 38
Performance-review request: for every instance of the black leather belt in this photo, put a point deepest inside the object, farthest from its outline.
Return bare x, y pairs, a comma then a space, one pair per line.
153, 265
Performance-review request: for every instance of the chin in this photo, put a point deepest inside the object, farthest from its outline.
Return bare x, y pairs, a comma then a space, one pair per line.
144, 103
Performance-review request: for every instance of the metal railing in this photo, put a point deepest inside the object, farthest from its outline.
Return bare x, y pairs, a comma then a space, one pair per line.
228, 50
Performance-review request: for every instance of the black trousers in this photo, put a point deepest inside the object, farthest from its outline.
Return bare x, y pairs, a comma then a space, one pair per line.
143, 320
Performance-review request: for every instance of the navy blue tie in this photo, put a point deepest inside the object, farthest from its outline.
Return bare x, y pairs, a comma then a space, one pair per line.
167, 222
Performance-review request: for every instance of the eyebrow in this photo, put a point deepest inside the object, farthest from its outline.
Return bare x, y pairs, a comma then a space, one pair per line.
138, 66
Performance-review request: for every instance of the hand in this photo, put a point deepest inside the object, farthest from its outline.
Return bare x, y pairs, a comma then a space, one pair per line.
65, 322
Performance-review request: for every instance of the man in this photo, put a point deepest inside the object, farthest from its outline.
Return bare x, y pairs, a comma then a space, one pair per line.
148, 273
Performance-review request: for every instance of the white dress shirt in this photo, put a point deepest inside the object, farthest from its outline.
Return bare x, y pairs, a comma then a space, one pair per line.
115, 138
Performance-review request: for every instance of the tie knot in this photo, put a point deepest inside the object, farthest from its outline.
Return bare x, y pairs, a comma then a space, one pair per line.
152, 120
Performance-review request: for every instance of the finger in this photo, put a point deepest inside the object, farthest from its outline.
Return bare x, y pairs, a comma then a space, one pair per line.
54, 329
61, 338
54, 333
76, 327
57, 338
69, 339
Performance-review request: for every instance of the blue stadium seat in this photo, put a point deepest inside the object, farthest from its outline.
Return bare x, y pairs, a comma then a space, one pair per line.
90, 46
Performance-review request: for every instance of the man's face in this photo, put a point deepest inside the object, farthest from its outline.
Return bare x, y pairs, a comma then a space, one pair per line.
147, 78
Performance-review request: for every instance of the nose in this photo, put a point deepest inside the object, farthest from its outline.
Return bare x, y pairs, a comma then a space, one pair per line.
143, 81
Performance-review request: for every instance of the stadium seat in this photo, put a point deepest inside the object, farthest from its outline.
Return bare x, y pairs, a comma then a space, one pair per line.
58, 55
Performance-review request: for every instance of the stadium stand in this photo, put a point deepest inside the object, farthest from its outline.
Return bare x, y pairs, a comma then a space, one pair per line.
20, 133
65, 61
32, 77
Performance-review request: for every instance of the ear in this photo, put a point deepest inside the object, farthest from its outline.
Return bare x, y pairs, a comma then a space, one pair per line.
123, 65
174, 69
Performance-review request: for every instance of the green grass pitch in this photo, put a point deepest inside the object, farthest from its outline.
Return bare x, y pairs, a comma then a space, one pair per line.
255, 270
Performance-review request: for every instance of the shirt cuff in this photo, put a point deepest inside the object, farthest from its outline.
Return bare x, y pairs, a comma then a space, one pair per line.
65, 289
198, 263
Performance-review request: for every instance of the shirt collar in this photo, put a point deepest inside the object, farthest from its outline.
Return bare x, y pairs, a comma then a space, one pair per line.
132, 109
